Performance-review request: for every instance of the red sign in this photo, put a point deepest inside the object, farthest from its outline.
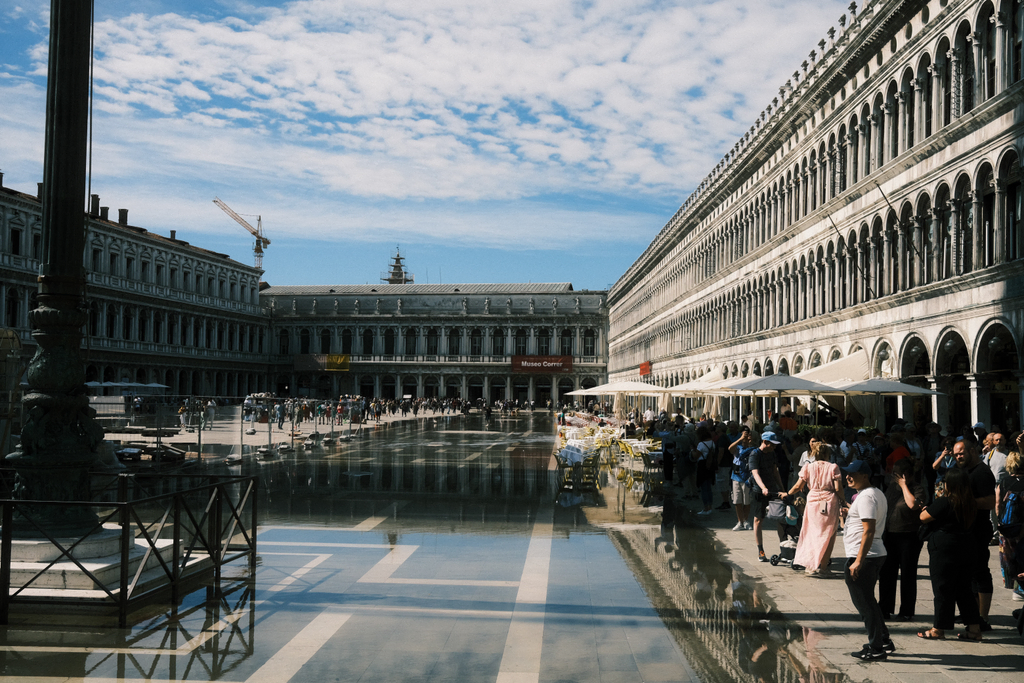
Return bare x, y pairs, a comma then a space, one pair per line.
542, 364
645, 368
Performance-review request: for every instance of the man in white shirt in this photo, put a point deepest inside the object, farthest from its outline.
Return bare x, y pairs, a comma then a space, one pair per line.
865, 553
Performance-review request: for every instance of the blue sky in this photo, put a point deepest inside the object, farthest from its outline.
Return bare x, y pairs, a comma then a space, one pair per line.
494, 141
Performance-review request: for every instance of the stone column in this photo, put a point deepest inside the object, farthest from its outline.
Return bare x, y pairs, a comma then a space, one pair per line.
937, 100
955, 238
979, 78
936, 241
863, 165
902, 119
979, 234
903, 258
875, 144
919, 110
980, 402
999, 229
919, 251
999, 19
887, 136
886, 272
956, 83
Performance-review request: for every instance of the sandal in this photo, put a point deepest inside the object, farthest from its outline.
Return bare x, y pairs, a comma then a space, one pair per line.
969, 636
931, 634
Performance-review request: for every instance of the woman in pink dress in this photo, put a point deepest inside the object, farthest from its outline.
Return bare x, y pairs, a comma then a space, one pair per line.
821, 516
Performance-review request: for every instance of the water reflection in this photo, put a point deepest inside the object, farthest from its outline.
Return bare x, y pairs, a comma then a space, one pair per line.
453, 466
449, 475
207, 637
723, 620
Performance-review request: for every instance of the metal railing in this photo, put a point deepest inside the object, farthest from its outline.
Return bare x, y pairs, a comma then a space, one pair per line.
209, 524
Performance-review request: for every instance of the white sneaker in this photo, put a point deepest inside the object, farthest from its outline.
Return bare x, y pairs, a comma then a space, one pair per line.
704, 512
1017, 597
747, 526
738, 527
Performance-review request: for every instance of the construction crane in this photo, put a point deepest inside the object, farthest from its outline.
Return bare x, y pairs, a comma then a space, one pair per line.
257, 232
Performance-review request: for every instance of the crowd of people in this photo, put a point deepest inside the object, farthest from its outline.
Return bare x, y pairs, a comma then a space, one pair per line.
889, 495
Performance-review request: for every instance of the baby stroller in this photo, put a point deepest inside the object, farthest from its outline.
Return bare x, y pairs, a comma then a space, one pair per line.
791, 527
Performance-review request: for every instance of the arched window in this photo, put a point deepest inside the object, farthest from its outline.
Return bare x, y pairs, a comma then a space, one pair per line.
544, 341
126, 323
454, 342
522, 342
589, 342
432, 341
94, 319
498, 342
389, 342
325, 340
367, 342
282, 342
12, 315
476, 343
346, 341
410, 341
565, 347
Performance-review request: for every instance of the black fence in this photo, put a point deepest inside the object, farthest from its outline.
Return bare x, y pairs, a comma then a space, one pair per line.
186, 528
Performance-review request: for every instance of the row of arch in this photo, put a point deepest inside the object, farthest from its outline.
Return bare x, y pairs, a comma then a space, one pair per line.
968, 221
182, 381
452, 341
128, 322
952, 361
960, 68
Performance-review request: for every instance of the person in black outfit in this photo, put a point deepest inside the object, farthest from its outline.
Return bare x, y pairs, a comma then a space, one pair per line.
950, 521
983, 486
906, 497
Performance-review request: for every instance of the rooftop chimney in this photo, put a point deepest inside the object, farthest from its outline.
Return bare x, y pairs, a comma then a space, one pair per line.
94, 208
173, 232
122, 216
104, 213
39, 191
1, 178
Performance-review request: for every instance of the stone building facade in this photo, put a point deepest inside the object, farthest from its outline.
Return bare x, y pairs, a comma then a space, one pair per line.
530, 342
875, 205
161, 310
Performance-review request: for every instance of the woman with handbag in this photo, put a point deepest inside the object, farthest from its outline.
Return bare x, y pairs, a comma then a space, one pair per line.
823, 480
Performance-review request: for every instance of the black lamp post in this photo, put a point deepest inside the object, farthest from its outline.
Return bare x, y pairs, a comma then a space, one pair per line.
60, 437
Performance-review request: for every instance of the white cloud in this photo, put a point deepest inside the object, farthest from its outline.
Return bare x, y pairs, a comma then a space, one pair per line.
373, 109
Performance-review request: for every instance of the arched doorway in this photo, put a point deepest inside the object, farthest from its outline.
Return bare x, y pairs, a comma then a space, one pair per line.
497, 389
998, 367
387, 388
543, 391
476, 388
915, 368
952, 365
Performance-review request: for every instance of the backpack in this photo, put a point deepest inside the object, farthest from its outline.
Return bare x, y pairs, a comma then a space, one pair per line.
1012, 519
741, 467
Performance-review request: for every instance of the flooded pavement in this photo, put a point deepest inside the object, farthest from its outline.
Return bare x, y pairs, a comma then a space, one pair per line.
434, 550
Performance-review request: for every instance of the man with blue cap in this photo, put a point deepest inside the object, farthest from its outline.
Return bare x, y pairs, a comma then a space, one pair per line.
764, 468
865, 553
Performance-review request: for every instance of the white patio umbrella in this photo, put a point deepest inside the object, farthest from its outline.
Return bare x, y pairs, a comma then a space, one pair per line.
882, 387
878, 387
778, 385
